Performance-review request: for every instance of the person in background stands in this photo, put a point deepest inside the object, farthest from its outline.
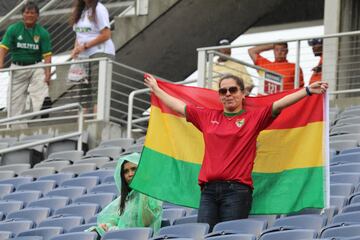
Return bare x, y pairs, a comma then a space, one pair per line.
280, 65
222, 66
28, 43
90, 21
317, 47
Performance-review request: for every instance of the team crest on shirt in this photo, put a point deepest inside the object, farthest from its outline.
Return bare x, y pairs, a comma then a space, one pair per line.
240, 122
20, 37
36, 38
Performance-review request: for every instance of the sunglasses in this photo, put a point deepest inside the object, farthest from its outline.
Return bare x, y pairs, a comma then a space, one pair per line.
232, 90
315, 41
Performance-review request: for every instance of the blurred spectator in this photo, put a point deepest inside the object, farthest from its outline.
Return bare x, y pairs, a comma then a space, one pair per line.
28, 43
317, 47
223, 66
280, 65
90, 21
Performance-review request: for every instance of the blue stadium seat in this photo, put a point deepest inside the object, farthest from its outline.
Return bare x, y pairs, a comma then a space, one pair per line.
16, 167
16, 226
353, 178
65, 221
354, 198
244, 226
52, 202
338, 201
353, 157
349, 217
269, 219
28, 238
289, 234
346, 167
76, 235
57, 165
186, 219
81, 228
341, 231
59, 177
351, 150
34, 214
4, 235
118, 142
8, 206
92, 220
43, 186
102, 174
24, 196
109, 179
70, 192
5, 189
173, 213
111, 152
99, 161
351, 208
102, 199
44, 232
306, 221
16, 181
233, 237
80, 168
37, 172
105, 187
129, 234
341, 189
189, 230
87, 182
85, 210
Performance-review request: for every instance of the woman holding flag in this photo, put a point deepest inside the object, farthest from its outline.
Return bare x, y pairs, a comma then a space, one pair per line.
230, 144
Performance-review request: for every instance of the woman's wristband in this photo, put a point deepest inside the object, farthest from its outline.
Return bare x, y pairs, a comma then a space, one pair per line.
307, 89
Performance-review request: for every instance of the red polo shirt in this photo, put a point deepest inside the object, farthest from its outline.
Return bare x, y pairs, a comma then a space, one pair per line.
230, 142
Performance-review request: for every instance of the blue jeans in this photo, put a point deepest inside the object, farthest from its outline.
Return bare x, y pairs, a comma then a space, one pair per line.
223, 201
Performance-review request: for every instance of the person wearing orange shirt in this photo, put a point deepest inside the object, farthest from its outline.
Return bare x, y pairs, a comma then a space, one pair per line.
317, 47
280, 65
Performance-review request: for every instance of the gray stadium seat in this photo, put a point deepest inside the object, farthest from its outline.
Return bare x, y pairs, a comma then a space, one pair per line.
99, 161
118, 142
346, 167
41, 185
85, 210
189, 230
351, 208
24, 196
341, 189
109, 165
338, 201
101, 173
65, 221
341, 231
129, 234
108, 179
306, 221
53, 202
79, 168
111, 152
5, 189
16, 226
77, 236
140, 140
6, 174
16, 167
270, 219
340, 145
27, 156
353, 178
44, 232
81, 228
38, 172
34, 214
186, 219
173, 213
349, 217
102, 199
4, 235
351, 150
105, 187
353, 157
233, 237
134, 148
87, 181
56, 164
245, 226
59, 177
70, 192
17, 181
66, 155
8, 206
289, 234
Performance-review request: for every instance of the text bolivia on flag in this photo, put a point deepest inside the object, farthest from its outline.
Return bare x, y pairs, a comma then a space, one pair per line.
288, 174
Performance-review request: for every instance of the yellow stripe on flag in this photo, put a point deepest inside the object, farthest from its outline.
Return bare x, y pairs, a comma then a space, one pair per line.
186, 141
303, 145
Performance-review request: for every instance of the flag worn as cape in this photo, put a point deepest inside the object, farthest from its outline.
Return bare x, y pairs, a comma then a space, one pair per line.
289, 170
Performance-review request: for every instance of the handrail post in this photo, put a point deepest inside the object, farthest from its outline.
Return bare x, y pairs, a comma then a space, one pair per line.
297, 65
201, 65
130, 114
81, 127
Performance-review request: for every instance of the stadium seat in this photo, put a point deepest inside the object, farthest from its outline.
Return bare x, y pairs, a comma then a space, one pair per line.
111, 152
354, 198
99, 173
76, 235
189, 230
45, 232
56, 164
70, 192
81, 228
24, 196
118, 142
102, 199
6, 174
349, 136
353, 157
22, 156
87, 181
349, 217
105, 187
353, 178
352, 150
134, 148
66, 155
38, 172
340, 145
269, 219
85, 210
62, 146
186, 219
306, 221
53, 203
5, 189
92, 220
8, 206
79, 168
129, 234
341, 189
16, 226
59, 177
246, 226
99, 161
233, 237
16, 167
341, 231
108, 179
351, 208
289, 234
65, 221
109, 165
28, 238
346, 167
4, 235
140, 140
36, 215
44, 186
17, 181
173, 213
338, 201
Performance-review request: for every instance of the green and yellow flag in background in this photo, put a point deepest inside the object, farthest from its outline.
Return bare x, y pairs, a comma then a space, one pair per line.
289, 170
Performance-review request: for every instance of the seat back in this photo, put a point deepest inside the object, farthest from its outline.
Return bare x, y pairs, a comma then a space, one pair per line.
129, 234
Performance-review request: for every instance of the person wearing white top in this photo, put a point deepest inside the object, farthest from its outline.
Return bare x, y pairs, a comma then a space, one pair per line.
90, 21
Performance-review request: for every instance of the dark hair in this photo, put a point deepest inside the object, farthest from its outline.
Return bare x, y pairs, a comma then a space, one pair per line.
30, 5
125, 189
79, 6
239, 81
285, 44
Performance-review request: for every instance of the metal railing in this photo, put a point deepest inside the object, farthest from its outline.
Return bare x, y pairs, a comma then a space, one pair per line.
341, 56
14, 121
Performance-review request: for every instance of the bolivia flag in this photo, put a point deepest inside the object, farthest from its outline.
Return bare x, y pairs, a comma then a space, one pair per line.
289, 170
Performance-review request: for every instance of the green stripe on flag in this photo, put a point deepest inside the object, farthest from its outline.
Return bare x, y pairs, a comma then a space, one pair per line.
290, 191
175, 181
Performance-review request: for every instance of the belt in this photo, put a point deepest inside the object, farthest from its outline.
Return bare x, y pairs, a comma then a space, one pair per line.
25, 63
